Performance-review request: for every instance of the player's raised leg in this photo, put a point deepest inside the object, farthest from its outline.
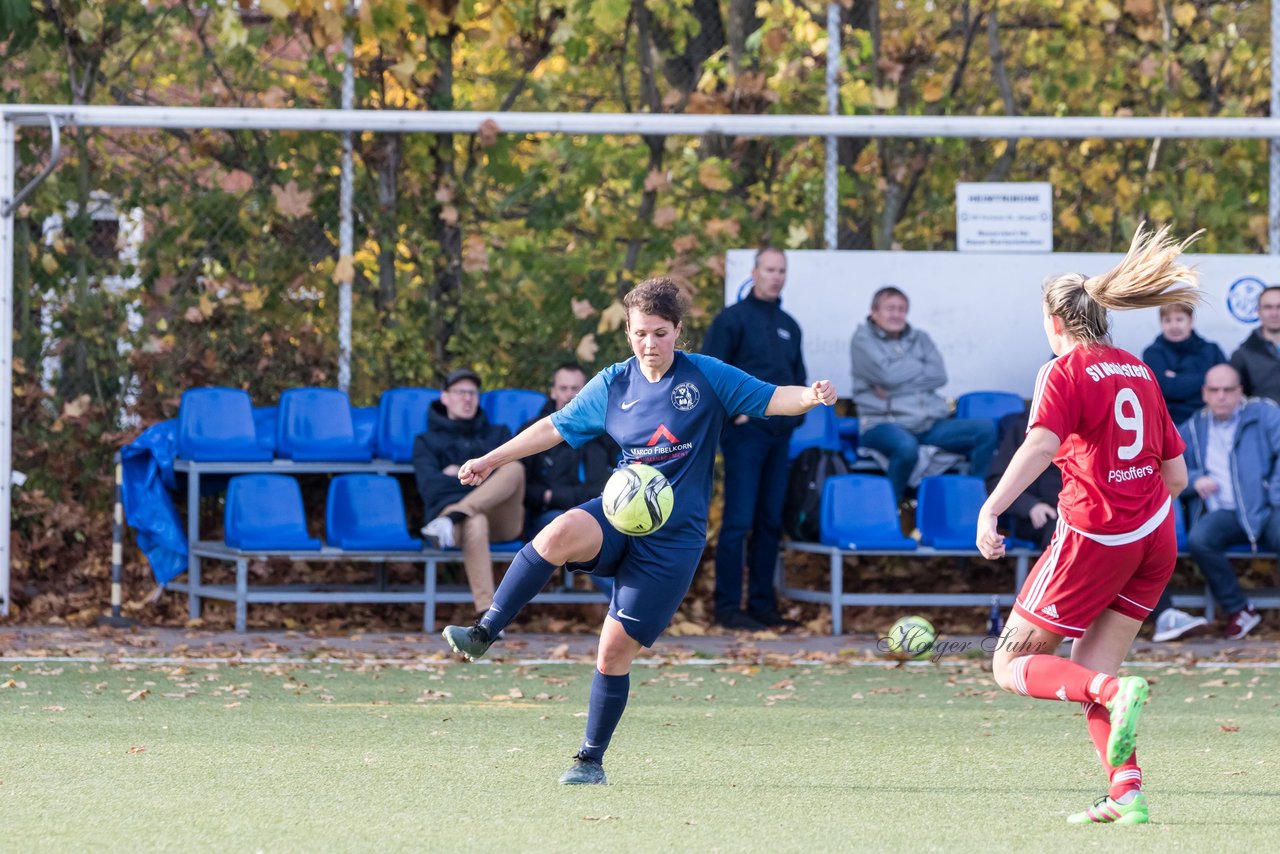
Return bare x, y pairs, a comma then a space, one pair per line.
574, 537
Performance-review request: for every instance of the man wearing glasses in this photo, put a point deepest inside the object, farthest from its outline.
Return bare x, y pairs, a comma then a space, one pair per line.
467, 516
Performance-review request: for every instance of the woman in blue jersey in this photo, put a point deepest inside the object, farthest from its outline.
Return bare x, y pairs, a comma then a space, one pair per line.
663, 407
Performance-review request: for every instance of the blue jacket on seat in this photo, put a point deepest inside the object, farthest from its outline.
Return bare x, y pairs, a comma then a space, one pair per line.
1253, 463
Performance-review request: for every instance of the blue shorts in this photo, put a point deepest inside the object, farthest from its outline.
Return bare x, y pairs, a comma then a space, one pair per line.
650, 578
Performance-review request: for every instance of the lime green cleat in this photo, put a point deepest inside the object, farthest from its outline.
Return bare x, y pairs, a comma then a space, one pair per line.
1125, 707
1108, 811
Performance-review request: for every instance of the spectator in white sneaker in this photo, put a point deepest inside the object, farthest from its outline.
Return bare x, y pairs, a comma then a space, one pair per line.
1173, 624
1233, 449
467, 516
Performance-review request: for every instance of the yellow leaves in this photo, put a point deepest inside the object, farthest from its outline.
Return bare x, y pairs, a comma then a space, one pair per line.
612, 317
344, 271
76, 408
1184, 14
587, 348
711, 176
254, 298
884, 97
1102, 215
475, 254
291, 201
207, 308
664, 217
277, 9
49, 263
1069, 220
797, 235
1108, 11
868, 161
933, 90
403, 71
1161, 211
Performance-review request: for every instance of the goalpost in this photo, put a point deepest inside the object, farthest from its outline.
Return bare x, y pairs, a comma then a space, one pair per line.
14, 117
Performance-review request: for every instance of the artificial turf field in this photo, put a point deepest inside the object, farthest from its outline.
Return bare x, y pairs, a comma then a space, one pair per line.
712, 757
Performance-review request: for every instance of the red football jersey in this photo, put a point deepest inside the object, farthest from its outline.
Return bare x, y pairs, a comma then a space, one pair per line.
1106, 407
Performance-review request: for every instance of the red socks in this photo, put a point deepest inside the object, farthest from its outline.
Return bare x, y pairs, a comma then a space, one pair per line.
1051, 677
1123, 778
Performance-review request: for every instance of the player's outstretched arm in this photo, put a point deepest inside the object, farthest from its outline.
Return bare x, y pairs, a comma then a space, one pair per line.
1037, 451
799, 399
540, 436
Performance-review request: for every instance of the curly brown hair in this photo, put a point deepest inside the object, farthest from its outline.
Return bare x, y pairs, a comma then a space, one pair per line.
659, 296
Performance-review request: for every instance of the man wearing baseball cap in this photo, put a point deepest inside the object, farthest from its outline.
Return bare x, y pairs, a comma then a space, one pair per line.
466, 516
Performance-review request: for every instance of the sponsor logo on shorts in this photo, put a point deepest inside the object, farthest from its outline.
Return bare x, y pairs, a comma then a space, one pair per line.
1050, 611
623, 615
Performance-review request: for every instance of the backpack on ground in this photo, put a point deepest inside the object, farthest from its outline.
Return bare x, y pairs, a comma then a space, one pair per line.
802, 509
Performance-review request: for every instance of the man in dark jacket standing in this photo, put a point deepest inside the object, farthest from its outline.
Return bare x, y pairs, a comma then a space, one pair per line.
1258, 356
469, 516
757, 336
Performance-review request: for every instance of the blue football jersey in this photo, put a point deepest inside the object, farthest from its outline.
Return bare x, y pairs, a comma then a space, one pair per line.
673, 425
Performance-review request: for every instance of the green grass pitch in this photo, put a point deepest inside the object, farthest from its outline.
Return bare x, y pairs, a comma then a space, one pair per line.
717, 757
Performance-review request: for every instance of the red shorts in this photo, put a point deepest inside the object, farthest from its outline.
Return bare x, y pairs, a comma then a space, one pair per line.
1077, 578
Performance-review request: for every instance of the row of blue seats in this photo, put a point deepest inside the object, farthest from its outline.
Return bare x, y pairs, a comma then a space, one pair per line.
860, 512
320, 425
364, 512
822, 428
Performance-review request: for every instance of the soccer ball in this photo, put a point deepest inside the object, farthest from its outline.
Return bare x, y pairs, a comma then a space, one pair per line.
911, 637
637, 499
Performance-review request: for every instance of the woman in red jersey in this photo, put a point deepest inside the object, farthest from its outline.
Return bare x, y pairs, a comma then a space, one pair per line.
1098, 413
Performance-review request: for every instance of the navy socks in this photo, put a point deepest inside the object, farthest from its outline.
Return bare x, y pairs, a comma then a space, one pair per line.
604, 710
528, 574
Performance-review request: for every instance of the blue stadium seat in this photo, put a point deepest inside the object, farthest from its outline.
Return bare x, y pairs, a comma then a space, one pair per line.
315, 425
947, 511
989, 404
264, 422
514, 407
402, 415
265, 512
819, 429
366, 512
364, 423
216, 425
859, 512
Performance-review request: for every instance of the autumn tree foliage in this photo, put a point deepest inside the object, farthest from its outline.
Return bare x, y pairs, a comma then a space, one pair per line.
510, 252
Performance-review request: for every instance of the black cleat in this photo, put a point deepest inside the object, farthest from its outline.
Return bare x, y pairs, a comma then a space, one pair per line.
584, 771
472, 642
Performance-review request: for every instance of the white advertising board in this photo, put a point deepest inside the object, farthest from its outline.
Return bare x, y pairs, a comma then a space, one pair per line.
1004, 217
983, 310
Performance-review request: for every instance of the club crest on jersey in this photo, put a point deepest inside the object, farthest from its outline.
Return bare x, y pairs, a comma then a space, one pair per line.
685, 396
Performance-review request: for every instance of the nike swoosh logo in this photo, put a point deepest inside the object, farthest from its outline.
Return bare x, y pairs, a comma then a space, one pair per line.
628, 404
624, 616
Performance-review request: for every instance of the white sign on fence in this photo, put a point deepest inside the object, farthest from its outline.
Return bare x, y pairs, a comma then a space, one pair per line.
1004, 217
983, 310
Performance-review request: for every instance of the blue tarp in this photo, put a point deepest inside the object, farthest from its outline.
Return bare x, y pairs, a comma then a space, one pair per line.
147, 464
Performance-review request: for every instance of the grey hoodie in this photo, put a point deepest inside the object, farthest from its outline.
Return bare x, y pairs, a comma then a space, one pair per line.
909, 366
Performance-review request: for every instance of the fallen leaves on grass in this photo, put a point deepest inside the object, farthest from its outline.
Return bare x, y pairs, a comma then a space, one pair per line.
137, 748
601, 817
63, 709
140, 694
1230, 728
429, 695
